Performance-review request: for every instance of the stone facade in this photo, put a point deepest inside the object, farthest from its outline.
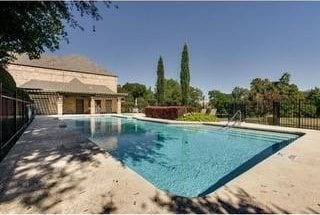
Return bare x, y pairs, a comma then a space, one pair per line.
68, 103
22, 74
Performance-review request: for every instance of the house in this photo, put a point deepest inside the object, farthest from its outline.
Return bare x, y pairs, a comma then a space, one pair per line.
67, 85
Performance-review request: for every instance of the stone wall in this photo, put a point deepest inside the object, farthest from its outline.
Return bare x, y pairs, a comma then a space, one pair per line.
47, 104
69, 105
23, 74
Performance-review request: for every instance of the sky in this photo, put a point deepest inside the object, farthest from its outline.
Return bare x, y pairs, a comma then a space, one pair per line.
230, 43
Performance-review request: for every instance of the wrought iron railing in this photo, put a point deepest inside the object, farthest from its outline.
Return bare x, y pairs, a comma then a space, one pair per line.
16, 112
298, 114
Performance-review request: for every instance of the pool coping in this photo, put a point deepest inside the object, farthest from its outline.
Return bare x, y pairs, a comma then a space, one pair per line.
278, 181
242, 125
305, 136
173, 122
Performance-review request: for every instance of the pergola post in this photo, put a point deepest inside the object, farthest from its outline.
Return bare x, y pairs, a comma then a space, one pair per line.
92, 106
119, 105
60, 105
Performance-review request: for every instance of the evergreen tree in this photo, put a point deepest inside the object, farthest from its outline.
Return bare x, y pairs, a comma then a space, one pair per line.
185, 76
160, 82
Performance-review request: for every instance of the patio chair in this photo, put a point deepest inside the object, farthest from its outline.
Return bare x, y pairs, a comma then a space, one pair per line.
203, 111
213, 112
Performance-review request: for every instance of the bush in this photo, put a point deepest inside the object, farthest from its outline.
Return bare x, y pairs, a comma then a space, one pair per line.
165, 112
200, 117
7, 80
22, 94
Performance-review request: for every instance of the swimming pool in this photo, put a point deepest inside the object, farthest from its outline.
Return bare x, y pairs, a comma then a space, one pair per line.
184, 160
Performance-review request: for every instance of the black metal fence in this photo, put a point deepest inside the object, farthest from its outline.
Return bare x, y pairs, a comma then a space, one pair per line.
16, 112
298, 114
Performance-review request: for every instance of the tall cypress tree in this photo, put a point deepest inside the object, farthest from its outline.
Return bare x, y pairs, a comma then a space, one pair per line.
160, 82
185, 75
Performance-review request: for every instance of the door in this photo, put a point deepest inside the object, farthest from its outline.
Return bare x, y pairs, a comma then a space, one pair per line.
108, 106
79, 106
98, 106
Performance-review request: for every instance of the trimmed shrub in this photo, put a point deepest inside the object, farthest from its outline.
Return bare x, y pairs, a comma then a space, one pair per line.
10, 87
7, 80
199, 117
22, 94
165, 112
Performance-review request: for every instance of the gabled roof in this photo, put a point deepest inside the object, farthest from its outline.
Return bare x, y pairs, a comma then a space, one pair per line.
74, 86
74, 63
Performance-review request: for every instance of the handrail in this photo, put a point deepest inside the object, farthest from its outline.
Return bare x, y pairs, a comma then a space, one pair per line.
233, 117
238, 112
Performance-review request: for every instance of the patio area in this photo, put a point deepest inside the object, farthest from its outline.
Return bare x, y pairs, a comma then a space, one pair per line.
53, 170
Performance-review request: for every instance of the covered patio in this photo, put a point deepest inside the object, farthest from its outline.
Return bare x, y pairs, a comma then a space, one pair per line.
73, 97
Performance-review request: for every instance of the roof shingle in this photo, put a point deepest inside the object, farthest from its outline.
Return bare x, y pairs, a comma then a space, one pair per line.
74, 86
75, 63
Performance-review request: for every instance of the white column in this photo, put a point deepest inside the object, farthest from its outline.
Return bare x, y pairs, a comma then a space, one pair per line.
92, 106
119, 105
60, 105
93, 126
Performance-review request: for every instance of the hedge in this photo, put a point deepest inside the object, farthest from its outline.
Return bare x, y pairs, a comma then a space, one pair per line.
165, 112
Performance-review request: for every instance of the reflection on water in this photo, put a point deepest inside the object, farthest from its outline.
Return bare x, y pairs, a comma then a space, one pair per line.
98, 131
122, 138
183, 160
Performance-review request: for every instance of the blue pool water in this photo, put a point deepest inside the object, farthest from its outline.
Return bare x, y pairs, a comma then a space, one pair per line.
184, 160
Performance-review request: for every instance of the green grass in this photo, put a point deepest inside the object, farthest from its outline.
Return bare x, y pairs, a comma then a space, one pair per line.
199, 117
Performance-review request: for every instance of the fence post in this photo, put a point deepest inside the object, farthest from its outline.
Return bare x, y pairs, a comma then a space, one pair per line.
299, 113
244, 111
276, 112
1, 116
15, 111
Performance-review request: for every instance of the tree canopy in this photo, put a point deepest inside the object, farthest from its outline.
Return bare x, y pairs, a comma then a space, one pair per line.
135, 89
240, 94
314, 98
32, 26
160, 85
185, 76
219, 100
261, 95
7, 80
172, 92
196, 96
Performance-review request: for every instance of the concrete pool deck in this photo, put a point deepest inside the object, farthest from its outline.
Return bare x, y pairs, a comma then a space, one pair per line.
53, 170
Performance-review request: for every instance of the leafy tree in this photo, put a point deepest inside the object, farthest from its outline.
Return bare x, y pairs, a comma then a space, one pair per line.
135, 89
160, 82
185, 76
288, 92
7, 80
149, 97
285, 78
240, 94
145, 97
261, 96
172, 92
31, 26
220, 101
120, 89
314, 98
196, 96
